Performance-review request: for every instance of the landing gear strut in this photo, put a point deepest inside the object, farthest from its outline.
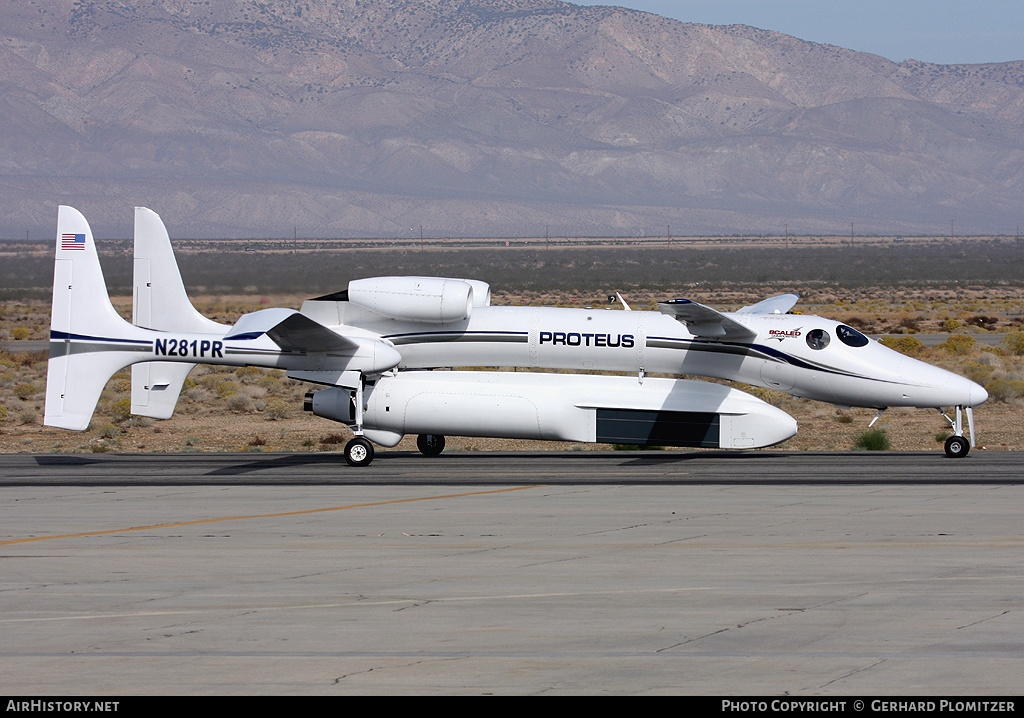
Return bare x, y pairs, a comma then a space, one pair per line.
358, 451
957, 446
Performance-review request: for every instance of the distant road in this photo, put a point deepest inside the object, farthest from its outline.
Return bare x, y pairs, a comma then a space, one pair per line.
33, 345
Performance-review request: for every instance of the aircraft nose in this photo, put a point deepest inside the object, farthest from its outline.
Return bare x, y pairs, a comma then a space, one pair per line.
979, 395
929, 385
965, 391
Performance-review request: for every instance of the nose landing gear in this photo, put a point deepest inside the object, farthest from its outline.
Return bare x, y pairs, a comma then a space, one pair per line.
958, 446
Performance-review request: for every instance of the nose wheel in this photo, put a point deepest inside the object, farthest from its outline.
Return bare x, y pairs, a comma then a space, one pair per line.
958, 445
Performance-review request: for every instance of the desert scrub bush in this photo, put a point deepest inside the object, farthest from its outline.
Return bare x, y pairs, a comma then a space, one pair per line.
909, 345
226, 389
872, 440
978, 372
951, 325
959, 344
20, 333
983, 322
1004, 389
240, 403
107, 431
121, 410
769, 396
196, 394
1013, 342
24, 391
13, 360
270, 384
121, 383
276, 409
248, 373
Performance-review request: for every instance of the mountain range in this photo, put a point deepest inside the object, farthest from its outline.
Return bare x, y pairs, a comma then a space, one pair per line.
386, 118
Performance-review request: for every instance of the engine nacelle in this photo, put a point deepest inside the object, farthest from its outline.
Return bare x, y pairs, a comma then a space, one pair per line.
334, 404
418, 299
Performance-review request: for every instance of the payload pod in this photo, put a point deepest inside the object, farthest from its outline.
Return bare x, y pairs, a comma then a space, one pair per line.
559, 407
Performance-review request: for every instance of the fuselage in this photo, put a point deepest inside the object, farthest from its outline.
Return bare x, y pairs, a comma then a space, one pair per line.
802, 355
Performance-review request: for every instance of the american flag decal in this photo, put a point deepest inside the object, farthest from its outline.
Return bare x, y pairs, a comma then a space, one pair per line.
72, 241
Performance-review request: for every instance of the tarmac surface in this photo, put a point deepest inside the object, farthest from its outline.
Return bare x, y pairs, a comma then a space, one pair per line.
620, 573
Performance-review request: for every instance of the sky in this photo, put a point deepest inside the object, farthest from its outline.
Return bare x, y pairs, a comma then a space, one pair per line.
938, 31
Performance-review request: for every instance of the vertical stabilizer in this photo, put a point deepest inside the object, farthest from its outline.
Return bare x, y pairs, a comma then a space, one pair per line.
160, 302
89, 341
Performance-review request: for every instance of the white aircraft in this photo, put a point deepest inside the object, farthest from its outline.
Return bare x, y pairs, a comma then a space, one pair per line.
370, 344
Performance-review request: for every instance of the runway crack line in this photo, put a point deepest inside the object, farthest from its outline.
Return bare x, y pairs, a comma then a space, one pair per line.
975, 623
264, 516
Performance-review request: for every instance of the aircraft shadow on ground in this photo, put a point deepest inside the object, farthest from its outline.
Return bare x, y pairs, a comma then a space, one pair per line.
397, 468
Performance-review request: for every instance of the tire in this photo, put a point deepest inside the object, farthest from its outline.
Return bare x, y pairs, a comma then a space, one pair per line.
359, 452
430, 444
957, 447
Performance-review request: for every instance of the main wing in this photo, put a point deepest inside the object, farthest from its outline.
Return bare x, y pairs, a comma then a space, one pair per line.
703, 321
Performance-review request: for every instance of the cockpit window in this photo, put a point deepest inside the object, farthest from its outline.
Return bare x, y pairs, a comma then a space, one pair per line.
817, 339
850, 336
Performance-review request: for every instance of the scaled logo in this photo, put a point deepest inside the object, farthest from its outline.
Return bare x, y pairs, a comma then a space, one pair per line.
781, 334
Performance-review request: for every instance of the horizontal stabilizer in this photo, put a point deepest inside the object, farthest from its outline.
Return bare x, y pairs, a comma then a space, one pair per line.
326, 350
290, 330
773, 305
703, 321
156, 386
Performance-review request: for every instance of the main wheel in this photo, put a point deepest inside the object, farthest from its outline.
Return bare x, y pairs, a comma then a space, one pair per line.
957, 447
359, 452
430, 444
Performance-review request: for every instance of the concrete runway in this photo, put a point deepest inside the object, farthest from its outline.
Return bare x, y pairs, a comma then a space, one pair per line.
701, 573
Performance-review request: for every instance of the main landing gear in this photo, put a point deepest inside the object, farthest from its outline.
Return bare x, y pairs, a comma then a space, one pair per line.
358, 451
958, 445
430, 444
